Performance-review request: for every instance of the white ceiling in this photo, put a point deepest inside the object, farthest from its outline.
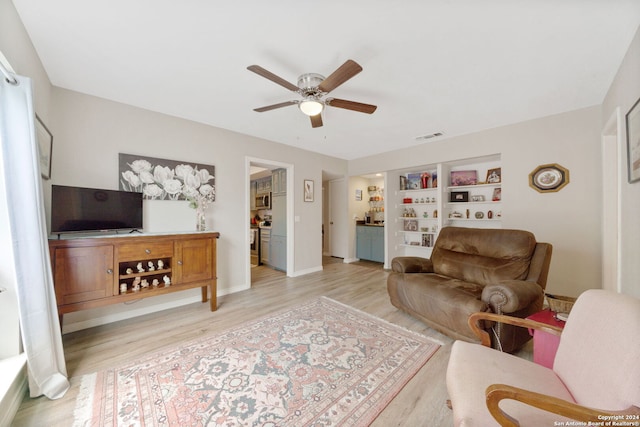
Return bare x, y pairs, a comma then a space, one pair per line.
451, 66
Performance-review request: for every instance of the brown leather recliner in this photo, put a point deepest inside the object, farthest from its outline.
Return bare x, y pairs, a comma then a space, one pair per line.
471, 270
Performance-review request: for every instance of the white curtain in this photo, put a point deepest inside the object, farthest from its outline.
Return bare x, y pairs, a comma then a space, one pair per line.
40, 329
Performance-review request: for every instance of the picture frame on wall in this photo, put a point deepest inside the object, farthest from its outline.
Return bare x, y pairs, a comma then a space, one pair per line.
633, 142
308, 190
44, 139
358, 195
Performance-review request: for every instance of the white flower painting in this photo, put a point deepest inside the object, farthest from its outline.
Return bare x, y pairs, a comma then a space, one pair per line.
161, 179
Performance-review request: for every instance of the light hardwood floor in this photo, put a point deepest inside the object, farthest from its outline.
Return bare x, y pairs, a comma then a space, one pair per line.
361, 285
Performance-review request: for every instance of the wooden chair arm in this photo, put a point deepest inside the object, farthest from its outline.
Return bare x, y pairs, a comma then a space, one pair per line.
497, 392
485, 339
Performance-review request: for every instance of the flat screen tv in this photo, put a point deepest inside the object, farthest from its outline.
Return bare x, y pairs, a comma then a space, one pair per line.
77, 209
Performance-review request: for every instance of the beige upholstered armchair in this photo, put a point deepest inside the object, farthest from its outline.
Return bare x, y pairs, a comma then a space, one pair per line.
595, 375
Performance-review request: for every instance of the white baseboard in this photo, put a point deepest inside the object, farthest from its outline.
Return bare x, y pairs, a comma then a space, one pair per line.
306, 271
350, 260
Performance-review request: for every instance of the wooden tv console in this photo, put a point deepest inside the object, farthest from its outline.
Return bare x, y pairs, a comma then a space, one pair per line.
89, 272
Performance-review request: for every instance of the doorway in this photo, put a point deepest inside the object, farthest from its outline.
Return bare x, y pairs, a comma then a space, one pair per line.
262, 246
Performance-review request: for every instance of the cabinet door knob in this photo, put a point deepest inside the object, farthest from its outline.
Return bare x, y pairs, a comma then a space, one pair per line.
147, 251
109, 271
179, 262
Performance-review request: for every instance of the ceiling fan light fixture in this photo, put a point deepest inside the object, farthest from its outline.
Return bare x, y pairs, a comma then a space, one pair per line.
311, 106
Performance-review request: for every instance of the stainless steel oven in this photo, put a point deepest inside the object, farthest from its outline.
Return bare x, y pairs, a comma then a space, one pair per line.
263, 201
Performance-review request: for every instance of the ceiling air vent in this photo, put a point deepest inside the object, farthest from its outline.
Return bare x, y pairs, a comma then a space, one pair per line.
431, 135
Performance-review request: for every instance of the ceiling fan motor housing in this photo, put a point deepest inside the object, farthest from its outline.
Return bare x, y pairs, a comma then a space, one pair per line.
308, 83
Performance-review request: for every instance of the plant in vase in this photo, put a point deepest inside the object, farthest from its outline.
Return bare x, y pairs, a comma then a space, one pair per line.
199, 198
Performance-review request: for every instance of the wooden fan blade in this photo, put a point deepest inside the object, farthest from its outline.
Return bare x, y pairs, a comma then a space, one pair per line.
274, 106
270, 76
339, 76
316, 121
351, 105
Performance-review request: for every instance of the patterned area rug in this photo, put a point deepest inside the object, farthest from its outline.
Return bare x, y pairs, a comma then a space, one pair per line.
321, 364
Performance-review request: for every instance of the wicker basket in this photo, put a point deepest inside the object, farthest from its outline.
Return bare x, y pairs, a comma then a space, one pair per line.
559, 303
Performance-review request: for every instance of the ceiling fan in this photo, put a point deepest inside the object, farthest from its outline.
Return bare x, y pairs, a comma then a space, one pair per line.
313, 88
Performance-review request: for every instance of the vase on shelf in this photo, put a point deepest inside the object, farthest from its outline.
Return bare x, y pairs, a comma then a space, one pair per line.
201, 219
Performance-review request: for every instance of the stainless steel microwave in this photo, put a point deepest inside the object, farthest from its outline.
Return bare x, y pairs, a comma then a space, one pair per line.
263, 201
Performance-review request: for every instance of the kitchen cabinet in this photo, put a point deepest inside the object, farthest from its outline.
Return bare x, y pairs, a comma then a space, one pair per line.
279, 182
253, 189
370, 243
263, 185
265, 243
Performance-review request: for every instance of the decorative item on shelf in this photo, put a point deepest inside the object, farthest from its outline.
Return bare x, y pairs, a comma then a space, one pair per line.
479, 215
403, 182
140, 268
372, 188
490, 214
407, 200
549, 178
151, 266
129, 270
136, 281
494, 176
155, 282
459, 178
459, 196
427, 240
497, 194
425, 214
413, 181
477, 198
160, 264
633, 142
123, 288
455, 214
468, 213
435, 213
167, 280
144, 283
425, 180
410, 225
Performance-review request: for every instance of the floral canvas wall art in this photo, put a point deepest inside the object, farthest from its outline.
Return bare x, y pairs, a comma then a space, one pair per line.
162, 179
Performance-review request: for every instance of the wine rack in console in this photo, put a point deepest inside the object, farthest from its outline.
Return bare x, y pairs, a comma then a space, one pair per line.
98, 271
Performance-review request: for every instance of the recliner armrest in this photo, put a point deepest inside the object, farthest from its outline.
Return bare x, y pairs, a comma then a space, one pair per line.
509, 296
411, 264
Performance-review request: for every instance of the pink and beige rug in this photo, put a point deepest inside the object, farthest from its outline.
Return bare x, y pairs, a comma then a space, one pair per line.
321, 364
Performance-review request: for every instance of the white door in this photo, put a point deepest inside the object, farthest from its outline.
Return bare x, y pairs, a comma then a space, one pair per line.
337, 218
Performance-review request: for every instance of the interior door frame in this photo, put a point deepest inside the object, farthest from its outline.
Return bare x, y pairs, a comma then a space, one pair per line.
290, 210
612, 170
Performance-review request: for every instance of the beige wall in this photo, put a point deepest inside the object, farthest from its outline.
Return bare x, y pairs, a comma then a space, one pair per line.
623, 94
569, 219
90, 132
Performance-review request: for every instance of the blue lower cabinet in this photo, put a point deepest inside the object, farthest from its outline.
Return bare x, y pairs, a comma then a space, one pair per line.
370, 243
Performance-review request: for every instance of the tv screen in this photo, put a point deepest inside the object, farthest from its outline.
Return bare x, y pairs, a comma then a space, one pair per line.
76, 209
